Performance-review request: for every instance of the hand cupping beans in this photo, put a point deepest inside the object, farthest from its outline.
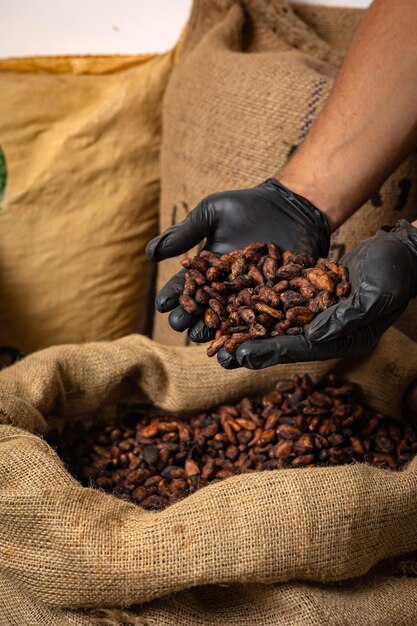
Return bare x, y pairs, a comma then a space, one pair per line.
259, 292
156, 461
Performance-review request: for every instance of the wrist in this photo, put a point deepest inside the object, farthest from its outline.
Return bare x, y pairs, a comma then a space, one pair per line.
324, 194
304, 211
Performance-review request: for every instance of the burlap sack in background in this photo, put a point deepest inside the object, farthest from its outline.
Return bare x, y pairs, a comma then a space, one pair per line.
79, 176
279, 540
252, 78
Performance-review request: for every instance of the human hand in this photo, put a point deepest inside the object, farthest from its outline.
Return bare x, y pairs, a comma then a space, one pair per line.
383, 277
234, 219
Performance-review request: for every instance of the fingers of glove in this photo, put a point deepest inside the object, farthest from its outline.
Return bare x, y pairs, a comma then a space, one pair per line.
263, 353
267, 352
363, 306
183, 236
333, 321
180, 320
168, 297
200, 333
226, 360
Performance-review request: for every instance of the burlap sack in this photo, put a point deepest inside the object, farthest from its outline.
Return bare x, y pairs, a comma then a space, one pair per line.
79, 193
252, 77
278, 540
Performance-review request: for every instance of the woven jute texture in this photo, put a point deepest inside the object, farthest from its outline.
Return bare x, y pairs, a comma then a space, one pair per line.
80, 138
266, 548
252, 77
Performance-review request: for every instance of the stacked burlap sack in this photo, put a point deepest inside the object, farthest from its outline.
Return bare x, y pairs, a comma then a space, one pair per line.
79, 192
303, 547
251, 79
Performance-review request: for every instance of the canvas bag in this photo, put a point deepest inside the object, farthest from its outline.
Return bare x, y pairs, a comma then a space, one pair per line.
79, 193
251, 79
279, 540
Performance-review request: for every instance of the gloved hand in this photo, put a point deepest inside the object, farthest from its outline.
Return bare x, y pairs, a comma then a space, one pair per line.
383, 277
234, 219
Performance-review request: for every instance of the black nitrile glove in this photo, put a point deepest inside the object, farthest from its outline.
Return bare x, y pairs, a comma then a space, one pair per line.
383, 277
234, 219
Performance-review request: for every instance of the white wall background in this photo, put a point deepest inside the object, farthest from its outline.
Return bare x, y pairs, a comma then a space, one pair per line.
47, 27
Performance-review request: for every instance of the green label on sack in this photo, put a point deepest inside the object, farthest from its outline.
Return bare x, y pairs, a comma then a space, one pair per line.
3, 175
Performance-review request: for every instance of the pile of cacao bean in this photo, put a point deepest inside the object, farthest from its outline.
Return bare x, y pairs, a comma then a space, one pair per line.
259, 292
155, 461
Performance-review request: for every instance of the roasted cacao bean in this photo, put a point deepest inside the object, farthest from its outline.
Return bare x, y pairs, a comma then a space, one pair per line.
157, 461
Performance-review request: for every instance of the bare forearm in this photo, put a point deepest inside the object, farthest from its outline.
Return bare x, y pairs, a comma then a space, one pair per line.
369, 123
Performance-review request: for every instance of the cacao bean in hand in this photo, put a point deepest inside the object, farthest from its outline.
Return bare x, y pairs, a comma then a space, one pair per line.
257, 288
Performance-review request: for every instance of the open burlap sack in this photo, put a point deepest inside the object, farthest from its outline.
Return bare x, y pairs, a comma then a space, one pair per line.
386, 601
79, 194
66, 551
251, 79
